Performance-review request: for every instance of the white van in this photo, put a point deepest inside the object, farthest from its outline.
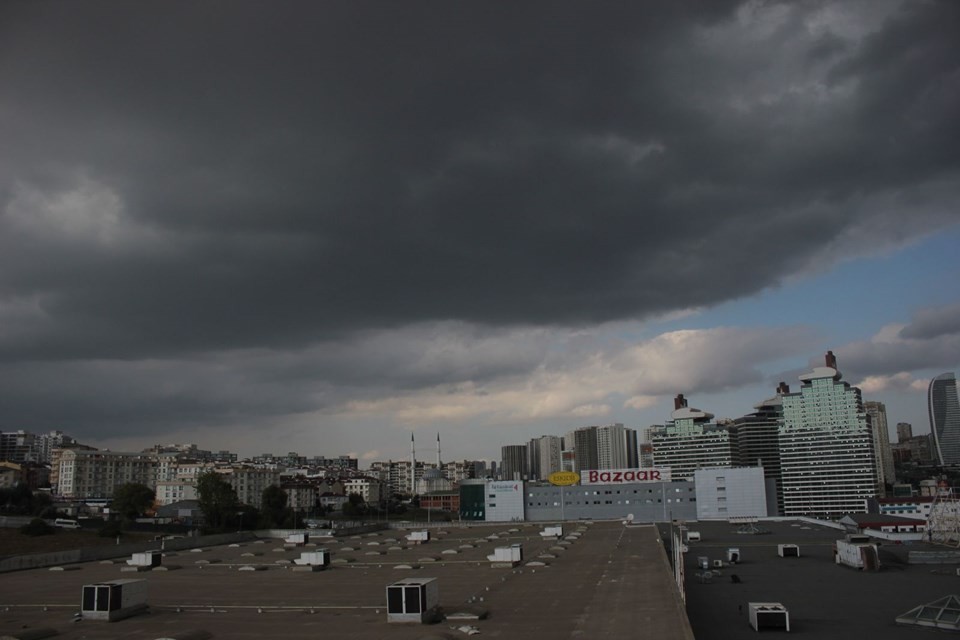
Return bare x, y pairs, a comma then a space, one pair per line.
64, 523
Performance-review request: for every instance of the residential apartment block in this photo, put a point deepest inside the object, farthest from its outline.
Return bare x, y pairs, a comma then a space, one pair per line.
690, 441
827, 452
95, 474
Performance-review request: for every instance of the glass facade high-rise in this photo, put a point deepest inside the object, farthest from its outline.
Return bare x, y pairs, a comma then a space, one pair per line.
690, 441
945, 418
827, 459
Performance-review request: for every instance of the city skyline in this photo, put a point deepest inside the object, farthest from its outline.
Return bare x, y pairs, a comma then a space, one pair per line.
329, 227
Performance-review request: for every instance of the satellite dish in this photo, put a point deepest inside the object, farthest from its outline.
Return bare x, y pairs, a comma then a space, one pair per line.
629, 519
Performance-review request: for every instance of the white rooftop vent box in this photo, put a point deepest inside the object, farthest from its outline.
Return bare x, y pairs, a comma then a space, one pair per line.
413, 600
552, 532
769, 615
788, 551
113, 600
508, 555
418, 537
858, 555
693, 536
145, 559
733, 555
318, 558
298, 539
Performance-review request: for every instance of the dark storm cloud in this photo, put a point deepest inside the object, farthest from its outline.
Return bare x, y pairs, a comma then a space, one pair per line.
313, 170
189, 178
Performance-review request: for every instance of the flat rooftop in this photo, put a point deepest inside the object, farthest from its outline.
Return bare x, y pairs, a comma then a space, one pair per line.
825, 600
609, 583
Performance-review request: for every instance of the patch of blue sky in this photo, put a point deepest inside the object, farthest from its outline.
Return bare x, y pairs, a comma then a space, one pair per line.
853, 300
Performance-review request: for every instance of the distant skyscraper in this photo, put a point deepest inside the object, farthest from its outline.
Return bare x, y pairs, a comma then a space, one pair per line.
945, 418
877, 414
586, 454
617, 447
827, 460
755, 439
546, 456
904, 431
513, 466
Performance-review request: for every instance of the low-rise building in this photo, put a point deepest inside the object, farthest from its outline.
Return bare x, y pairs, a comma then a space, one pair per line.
732, 493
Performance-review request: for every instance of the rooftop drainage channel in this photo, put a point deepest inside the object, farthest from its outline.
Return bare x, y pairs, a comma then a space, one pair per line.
194, 608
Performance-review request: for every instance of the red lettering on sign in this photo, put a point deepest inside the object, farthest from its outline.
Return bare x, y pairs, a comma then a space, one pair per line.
654, 475
629, 476
592, 476
605, 476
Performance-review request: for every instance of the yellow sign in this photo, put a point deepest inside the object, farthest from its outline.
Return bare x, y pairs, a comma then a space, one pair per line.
564, 478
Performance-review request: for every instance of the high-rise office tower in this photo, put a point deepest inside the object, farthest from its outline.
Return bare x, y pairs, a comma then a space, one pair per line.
755, 439
690, 441
586, 449
877, 415
513, 465
945, 418
617, 447
545, 456
827, 459
904, 431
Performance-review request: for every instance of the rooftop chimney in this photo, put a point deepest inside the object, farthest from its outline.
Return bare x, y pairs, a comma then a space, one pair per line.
679, 402
783, 388
831, 360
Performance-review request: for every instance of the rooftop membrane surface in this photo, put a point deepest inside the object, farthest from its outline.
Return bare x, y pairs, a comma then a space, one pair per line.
602, 580
824, 600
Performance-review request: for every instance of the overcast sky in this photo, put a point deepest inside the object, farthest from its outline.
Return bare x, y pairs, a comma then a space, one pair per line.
319, 227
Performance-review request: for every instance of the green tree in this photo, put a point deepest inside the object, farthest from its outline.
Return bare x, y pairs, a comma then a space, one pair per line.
37, 527
354, 506
131, 500
274, 506
17, 500
43, 505
218, 501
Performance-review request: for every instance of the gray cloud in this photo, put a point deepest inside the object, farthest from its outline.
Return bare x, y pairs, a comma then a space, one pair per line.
933, 323
185, 182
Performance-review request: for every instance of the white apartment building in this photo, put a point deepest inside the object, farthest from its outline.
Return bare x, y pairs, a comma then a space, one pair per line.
249, 482
395, 474
370, 489
95, 474
171, 491
177, 479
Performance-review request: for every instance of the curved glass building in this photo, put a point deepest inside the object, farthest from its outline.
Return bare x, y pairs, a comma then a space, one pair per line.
945, 418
